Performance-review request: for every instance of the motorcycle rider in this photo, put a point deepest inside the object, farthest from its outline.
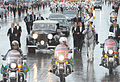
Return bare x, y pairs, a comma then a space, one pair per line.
110, 36
63, 45
15, 46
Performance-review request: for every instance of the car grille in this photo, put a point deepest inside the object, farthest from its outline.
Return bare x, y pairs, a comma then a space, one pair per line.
42, 37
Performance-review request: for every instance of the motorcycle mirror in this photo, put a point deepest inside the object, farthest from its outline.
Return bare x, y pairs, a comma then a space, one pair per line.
2, 55
101, 45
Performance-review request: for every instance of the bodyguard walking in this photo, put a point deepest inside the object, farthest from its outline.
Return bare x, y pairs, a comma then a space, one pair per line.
12, 33
19, 31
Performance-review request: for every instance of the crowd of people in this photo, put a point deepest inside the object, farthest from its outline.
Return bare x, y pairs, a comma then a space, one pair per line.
20, 8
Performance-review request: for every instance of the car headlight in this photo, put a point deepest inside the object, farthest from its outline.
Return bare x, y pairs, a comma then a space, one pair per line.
50, 36
13, 65
35, 36
42, 42
110, 52
61, 57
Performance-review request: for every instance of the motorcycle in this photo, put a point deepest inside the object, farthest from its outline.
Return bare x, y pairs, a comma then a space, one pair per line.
61, 66
14, 70
110, 59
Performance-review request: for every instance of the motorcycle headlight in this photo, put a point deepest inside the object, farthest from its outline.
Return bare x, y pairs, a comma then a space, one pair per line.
110, 52
50, 36
61, 57
42, 42
35, 36
13, 65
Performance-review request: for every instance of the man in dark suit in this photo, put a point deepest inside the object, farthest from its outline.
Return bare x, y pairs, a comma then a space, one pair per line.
40, 17
12, 33
19, 31
27, 20
14, 11
19, 10
81, 36
77, 19
33, 18
76, 32
115, 29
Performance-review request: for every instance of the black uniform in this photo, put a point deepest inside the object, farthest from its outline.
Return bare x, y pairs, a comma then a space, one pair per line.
19, 11
27, 20
76, 30
12, 36
19, 30
14, 11
112, 29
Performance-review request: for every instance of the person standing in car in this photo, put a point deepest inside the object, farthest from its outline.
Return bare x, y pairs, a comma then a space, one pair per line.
40, 17
19, 31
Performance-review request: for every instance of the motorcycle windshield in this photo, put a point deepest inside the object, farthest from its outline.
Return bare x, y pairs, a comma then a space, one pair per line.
13, 56
110, 44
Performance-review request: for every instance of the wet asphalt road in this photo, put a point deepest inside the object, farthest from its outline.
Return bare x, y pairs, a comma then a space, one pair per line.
40, 63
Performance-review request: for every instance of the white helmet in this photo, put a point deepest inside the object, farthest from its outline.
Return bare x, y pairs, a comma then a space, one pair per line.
111, 34
15, 43
62, 40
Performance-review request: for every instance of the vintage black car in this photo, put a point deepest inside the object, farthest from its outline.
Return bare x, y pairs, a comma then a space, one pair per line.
63, 23
45, 35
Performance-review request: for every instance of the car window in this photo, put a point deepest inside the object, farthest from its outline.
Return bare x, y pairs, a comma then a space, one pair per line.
61, 21
44, 27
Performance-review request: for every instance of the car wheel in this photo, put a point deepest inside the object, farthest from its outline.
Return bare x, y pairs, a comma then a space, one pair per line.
31, 50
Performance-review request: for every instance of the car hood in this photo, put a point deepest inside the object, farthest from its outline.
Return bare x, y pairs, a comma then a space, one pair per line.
45, 31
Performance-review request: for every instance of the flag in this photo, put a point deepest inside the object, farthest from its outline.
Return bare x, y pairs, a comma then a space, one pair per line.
53, 61
2, 69
25, 68
71, 60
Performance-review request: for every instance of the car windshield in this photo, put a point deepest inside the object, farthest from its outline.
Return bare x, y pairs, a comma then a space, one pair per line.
44, 27
69, 12
61, 21
13, 56
110, 44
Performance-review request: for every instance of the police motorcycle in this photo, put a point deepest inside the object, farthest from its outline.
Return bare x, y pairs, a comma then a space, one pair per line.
110, 59
15, 69
61, 64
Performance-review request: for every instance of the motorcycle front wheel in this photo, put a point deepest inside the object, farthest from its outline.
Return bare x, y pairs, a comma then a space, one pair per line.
62, 78
110, 70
